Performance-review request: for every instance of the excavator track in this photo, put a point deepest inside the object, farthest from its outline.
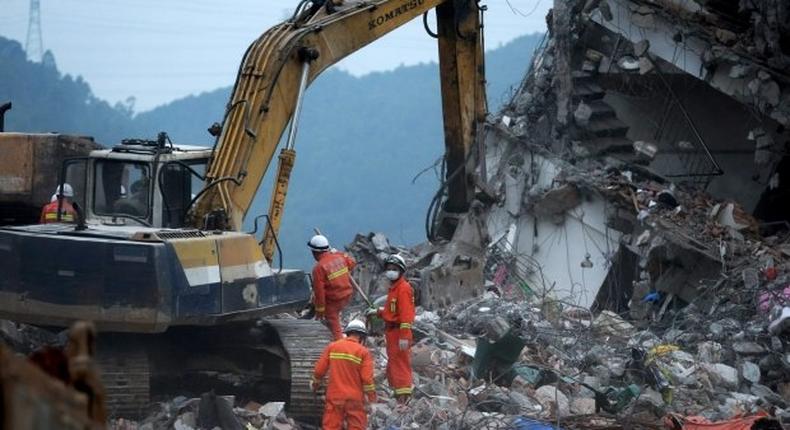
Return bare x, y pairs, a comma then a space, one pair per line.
274, 357
126, 376
303, 341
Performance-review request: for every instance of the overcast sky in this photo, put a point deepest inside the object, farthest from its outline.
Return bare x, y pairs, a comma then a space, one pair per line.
161, 50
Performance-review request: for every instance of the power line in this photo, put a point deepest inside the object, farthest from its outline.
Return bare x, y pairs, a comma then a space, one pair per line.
524, 15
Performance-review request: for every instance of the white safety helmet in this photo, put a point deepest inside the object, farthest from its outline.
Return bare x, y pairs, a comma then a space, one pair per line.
318, 243
396, 260
67, 191
356, 326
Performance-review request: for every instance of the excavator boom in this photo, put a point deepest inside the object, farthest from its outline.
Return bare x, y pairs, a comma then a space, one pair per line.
284, 60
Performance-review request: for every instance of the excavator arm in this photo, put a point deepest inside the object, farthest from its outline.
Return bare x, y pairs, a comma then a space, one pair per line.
281, 63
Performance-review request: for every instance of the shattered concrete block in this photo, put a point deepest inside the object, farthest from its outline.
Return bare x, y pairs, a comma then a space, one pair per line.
767, 395
651, 398
725, 37
186, 421
709, 352
421, 356
736, 404
521, 385
514, 189
739, 71
589, 66
582, 406
523, 101
645, 149
628, 63
553, 399
593, 55
780, 321
272, 409
770, 93
582, 114
750, 372
776, 344
617, 366
644, 17
748, 348
277, 425
608, 322
784, 391
496, 328
520, 403
380, 242
685, 145
722, 374
557, 201
380, 410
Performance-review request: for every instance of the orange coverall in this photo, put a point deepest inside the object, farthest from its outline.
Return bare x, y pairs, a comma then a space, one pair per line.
49, 213
350, 368
398, 315
332, 287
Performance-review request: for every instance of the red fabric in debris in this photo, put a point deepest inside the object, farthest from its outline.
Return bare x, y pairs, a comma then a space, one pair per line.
702, 423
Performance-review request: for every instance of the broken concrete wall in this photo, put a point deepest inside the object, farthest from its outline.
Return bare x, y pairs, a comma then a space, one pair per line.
723, 123
560, 230
739, 51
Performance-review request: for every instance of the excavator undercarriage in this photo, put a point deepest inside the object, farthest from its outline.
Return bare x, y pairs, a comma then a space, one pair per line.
269, 360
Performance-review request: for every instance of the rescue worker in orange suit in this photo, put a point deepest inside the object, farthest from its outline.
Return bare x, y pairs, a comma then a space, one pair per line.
398, 316
49, 213
332, 288
351, 389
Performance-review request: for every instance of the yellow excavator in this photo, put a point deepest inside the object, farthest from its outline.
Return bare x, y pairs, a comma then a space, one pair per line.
279, 66
157, 260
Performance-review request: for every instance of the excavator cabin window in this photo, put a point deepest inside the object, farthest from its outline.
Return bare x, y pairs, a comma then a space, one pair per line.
178, 187
122, 189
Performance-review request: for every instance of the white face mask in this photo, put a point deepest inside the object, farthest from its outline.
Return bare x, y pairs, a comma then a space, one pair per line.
392, 275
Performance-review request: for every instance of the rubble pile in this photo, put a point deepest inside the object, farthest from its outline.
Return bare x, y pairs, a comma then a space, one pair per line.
25, 338
211, 411
370, 251
491, 362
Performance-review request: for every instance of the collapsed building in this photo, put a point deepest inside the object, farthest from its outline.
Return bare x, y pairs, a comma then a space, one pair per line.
627, 107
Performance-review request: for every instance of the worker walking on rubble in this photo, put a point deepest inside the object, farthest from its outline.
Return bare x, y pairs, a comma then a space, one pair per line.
332, 288
398, 315
49, 213
351, 389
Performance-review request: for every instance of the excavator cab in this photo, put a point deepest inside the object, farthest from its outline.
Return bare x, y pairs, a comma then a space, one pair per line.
137, 183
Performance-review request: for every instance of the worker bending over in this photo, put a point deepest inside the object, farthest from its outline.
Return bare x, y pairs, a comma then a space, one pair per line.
350, 368
49, 213
398, 315
332, 288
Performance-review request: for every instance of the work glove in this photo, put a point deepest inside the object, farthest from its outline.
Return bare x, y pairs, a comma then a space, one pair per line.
315, 386
403, 344
372, 312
